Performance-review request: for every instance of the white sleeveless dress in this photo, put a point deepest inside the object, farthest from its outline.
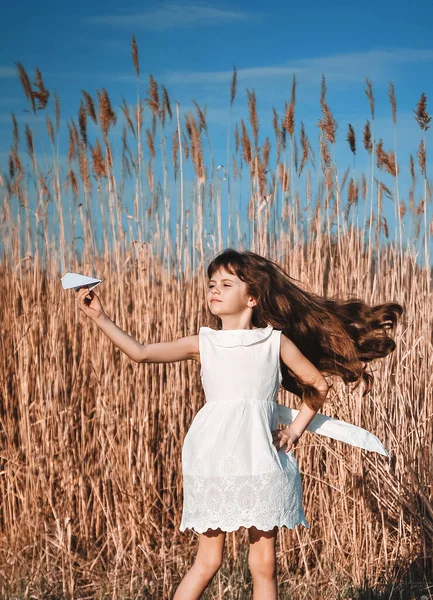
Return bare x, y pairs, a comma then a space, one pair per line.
233, 475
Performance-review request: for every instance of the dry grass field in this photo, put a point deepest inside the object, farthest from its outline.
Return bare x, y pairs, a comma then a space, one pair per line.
90, 442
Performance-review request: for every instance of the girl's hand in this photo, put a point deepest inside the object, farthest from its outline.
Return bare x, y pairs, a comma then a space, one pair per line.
92, 306
284, 436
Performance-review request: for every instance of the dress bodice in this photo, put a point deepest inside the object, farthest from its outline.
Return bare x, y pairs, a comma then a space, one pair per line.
240, 364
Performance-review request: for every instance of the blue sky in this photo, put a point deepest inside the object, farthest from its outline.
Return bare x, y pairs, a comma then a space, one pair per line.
191, 48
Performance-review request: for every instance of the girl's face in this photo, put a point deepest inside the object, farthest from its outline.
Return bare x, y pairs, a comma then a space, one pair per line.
227, 296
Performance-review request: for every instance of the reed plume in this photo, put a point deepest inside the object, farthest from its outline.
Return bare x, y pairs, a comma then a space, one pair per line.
71, 182
383, 188
266, 151
275, 124
150, 143
15, 131
185, 145
323, 89
26, 85
411, 201
254, 120
363, 187
261, 175
42, 94
15, 170
420, 209
385, 226
304, 148
289, 117
50, 128
393, 101
368, 144
422, 155
369, 93
345, 176
235, 168
351, 139
82, 122
166, 102
236, 139
106, 115
283, 176
352, 197
328, 124
412, 168
246, 144
385, 160
421, 115
134, 51
44, 188
83, 163
293, 96
98, 161
201, 117
324, 152
283, 133
71, 143
90, 106
352, 193
196, 148
277, 132
152, 99
295, 154
125, 109
139, 109
57, 111
233, 85
11, 166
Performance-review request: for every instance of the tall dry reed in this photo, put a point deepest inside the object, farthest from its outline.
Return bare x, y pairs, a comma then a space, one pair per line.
91, 485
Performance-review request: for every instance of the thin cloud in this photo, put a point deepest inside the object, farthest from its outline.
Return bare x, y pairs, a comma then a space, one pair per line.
7, 72
175, 15
350, 67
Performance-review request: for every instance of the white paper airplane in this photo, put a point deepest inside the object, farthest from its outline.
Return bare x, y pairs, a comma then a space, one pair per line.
77, 281
338, 430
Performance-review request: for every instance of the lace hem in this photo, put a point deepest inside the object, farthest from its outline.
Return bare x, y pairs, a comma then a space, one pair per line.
267, 526
231, 501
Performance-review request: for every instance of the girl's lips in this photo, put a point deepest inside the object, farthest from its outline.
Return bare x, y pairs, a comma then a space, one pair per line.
215, 300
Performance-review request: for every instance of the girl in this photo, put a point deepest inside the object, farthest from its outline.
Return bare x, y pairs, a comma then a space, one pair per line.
239, 470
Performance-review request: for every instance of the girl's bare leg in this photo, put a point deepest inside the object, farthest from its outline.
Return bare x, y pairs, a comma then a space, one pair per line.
262, 563
207, 562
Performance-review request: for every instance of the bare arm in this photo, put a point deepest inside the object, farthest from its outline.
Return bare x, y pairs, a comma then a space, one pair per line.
162, 352
181, 349
308, 374
120, 338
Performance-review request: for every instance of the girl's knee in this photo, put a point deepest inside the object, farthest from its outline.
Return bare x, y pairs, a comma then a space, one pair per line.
208, 564
262, 565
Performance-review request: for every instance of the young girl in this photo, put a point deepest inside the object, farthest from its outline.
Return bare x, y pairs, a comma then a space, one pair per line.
239, 470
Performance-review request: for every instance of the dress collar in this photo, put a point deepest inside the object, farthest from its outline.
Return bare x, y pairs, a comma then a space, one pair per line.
237, 337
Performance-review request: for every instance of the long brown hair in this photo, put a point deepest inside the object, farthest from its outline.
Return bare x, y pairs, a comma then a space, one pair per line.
338, 336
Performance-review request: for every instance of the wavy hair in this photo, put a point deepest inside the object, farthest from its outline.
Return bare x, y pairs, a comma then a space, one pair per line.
338, 336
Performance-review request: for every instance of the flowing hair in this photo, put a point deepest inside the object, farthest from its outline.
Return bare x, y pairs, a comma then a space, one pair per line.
338, 336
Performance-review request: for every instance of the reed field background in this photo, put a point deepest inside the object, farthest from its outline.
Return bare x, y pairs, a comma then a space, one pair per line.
90, 456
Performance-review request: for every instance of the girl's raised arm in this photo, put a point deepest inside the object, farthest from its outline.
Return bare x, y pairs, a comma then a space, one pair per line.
182, 349
308, 374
